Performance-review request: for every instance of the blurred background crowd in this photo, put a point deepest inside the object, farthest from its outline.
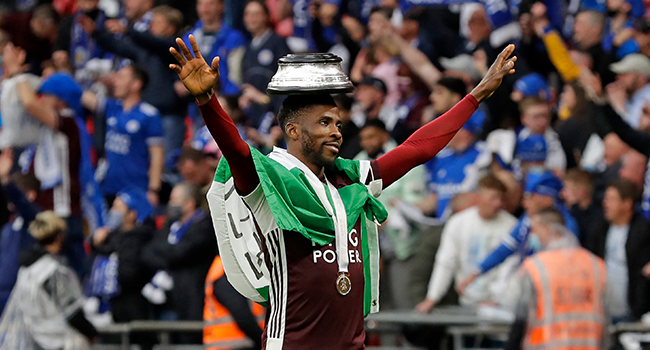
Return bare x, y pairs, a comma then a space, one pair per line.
99, 132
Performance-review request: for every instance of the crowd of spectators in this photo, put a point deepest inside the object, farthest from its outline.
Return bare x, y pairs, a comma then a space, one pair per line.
99, 131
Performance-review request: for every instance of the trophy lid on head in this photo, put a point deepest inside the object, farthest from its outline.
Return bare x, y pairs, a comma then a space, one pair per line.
307, 74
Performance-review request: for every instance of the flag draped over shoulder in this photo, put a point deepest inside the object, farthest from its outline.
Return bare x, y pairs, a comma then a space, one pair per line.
293, 205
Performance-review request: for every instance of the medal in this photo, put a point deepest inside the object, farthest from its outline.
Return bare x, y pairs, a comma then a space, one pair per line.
343, 284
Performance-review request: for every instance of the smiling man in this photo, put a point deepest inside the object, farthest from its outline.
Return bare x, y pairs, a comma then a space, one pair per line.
313, 213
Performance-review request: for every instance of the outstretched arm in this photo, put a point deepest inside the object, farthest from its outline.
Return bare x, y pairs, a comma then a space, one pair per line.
427, 141
199, 79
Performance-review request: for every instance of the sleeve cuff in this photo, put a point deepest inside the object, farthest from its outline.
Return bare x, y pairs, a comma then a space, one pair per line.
213, 99
472, 100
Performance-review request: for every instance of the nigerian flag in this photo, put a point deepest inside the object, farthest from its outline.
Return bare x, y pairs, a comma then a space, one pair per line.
290, 197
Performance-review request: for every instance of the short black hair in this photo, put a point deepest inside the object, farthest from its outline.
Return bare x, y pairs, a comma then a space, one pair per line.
344, 102
293, 105
454, 85
626, 189
375, 123
140, 74
387, 12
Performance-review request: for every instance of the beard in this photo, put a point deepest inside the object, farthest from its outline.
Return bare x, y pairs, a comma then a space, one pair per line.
314, 155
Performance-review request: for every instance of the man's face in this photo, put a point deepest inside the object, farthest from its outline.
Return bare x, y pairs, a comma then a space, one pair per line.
462, 140
634, 167
534, 202
614, 149
135, 9
87, 5
320, 134
571, 193
479, 26
190, 171
629, 81
541, 229
209, 10
537, 118
490, 201
372, 140
160, 27
443, 99
42, 27
368, 97
128, 216
376, 23
584, 31
124, 83
614, 206
254, 17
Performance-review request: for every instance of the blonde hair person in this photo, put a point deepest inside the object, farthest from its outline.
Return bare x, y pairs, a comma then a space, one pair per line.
47, 228
45, 310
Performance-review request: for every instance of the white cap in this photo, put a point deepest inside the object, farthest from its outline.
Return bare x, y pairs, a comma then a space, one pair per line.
633, 63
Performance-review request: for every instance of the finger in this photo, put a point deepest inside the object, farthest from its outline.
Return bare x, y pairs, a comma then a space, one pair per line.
181, 60
195, 47
506, 53
215, 64
186, 52
176, 68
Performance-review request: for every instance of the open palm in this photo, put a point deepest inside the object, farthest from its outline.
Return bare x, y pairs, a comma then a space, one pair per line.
193, 70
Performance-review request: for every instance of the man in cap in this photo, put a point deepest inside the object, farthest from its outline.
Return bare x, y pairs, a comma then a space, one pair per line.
62, 160
300, 199
542, 191
370, 103
531, 85
631, 91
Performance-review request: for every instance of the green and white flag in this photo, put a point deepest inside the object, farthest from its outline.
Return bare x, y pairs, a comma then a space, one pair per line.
291, 198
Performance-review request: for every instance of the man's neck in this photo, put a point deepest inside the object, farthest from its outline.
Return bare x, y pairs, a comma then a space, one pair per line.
486, 217
588, 44
585, 203
260, 32
212, 26
186, 216
295, 151
623, 219
130, 101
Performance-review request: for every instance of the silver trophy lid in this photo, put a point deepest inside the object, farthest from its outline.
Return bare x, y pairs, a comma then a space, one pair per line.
311, 73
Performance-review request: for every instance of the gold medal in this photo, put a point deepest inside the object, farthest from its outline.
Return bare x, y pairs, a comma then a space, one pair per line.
343, 284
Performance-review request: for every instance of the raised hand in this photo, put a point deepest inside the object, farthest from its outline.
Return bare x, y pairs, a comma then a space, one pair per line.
194, 72
502, 66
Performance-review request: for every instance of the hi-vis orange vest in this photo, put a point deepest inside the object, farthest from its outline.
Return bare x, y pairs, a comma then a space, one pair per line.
570, 289
220, 332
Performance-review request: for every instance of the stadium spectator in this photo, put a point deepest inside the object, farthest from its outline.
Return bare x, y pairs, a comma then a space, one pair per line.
618, 41
577, 194
531, 85
413, 102
370, 103
561, 266
74, 47
197, 168
34, 32
217, 38
634, 167
260, 62
534, 146
138, 15
466, 240
45, 306
185, 248
59, 157
455, 169
133, 137
588, 31
118, 271
150, 51
542, 191
632, 88
21, 191
621, 239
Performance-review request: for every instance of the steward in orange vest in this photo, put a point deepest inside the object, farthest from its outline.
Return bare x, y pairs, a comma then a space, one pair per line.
231, 321
562, 302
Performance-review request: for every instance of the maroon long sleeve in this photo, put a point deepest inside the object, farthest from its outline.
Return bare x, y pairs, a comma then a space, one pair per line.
234, 149
426, 142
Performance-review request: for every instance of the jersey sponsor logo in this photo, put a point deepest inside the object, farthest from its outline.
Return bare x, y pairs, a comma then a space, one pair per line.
112, 121
329, 255
118, 143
